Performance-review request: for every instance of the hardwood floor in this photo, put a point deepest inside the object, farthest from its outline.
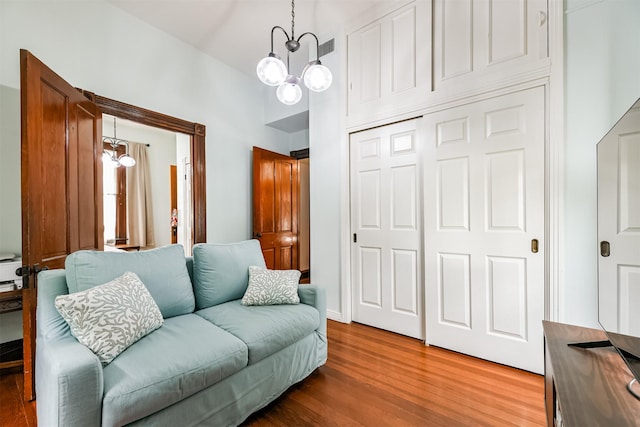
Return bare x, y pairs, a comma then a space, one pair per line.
14, 411
377, 378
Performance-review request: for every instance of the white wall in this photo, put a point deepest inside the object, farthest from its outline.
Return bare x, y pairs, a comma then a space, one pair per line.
299, 140
326, 142
602, 60
10, 202
150, 69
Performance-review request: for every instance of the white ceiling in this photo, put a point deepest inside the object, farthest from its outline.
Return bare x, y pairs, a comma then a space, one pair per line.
237, 32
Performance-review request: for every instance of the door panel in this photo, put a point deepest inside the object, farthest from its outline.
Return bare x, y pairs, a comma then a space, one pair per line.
275, 208
454, 289
484, 203
505, 191
61, 183
385, 208
506, 282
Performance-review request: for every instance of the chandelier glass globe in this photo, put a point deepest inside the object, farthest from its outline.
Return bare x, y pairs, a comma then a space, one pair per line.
317, 77
289, 92
271, 70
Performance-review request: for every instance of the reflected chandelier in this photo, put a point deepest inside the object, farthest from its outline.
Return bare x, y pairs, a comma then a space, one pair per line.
125, 160
273, 72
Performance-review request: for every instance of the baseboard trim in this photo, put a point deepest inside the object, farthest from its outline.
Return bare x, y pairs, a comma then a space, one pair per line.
335, 315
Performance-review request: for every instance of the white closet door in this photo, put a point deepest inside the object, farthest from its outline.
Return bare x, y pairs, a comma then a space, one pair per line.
484, 210
619, 224
386, 228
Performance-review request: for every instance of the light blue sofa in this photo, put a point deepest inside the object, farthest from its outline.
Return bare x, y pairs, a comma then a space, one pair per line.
213, 362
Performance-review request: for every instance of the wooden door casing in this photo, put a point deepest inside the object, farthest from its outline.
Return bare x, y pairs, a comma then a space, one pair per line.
61, 173
197, 133
275, 208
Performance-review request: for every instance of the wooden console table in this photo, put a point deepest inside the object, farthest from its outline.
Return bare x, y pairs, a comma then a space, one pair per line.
588, 387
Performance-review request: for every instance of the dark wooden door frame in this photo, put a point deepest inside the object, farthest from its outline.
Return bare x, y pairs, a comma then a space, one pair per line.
196, 131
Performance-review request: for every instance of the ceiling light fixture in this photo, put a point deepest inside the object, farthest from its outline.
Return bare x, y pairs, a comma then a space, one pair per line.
125, 160
272, 70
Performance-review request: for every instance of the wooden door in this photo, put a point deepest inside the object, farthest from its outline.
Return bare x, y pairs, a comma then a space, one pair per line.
275, 208
386, 228
484, 205
619, 226
61, 183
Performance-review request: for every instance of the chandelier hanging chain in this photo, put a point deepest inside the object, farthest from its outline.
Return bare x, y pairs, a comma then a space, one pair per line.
293, 18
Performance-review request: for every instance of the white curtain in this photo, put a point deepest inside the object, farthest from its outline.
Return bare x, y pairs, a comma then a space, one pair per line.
139, 207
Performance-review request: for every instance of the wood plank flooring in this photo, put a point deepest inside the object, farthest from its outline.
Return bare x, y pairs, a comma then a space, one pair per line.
377, 378
14, 411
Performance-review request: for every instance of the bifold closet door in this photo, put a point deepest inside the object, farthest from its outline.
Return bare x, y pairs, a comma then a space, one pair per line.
484, 228
386, 226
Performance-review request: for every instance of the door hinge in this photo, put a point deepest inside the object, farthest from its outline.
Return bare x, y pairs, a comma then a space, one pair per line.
355, 238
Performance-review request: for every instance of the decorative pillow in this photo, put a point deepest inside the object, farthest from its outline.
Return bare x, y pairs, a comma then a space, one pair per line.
109, 318
271, 287
220, 271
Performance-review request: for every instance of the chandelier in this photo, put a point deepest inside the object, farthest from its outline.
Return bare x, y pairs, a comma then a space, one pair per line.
125, 160
272, 70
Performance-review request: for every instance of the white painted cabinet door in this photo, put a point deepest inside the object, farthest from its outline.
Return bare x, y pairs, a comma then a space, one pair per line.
386, 224
388, 63
486, 42
484, 204
619, 224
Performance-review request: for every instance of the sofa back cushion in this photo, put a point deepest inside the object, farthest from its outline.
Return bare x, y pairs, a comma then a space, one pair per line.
162, 270
221, 271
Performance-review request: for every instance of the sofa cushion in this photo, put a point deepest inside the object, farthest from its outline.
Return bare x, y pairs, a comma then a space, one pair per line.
271, 287
162, 270
264, 329
221, 271
109, 318
186, 355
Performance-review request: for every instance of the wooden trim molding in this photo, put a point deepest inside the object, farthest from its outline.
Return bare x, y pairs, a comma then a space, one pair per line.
555, 166
198, 138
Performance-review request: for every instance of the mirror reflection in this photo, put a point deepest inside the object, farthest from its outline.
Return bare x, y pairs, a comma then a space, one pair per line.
619, 236
147, 204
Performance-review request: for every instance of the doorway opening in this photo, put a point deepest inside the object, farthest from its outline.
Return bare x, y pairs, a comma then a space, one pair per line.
160, 203
304, 215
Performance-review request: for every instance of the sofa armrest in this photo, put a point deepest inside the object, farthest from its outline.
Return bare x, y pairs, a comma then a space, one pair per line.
315, 296
69, 382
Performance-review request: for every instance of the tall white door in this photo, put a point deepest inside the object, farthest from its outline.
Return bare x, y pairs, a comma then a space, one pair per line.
386, 252
484, 228
619, 225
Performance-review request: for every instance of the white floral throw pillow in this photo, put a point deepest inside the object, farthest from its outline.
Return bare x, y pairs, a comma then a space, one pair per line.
109, 318
271, 287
